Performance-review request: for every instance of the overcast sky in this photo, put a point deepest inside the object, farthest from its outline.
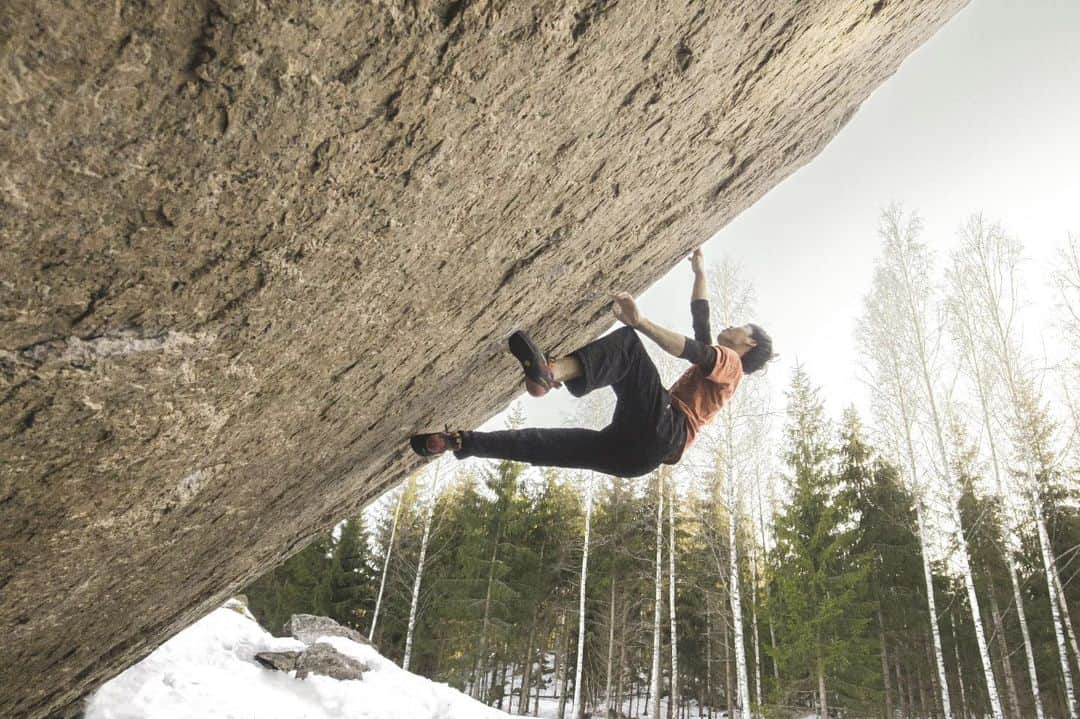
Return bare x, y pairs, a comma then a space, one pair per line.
984, 117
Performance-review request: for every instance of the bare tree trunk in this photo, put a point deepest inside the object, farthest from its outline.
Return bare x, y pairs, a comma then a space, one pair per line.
708, 651
1051, 585
929, 579
907, 691
753, 618
562, 680
905, 272
765, 559
908, 255
734, 593
987, 267
527, 672
959, 667
900, 697
1006, 662
501, 685
540, 681
576, 711
1066, 619
655, 679
968, 328
885, 671
822, 696
481, 654
557, 669
610, 649
622, 660
898, 387
420, 570
962, 552
976, 618
386, 565
729, 694
924, 704
736, 611
673, 698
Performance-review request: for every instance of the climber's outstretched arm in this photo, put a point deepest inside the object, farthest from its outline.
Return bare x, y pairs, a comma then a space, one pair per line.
699, 301
697, 261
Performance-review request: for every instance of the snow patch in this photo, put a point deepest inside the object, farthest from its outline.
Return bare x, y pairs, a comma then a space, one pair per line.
209, 671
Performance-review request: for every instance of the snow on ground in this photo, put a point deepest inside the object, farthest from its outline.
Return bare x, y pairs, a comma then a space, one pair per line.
209, 671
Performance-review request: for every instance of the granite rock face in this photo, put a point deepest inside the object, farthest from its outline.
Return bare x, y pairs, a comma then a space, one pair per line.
246, 248
309, 628
280, 661
322, 658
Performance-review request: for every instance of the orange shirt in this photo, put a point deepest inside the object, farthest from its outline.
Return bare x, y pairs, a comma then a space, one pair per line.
700, 396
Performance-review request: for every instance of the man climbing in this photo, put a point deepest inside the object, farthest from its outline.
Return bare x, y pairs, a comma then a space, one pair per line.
651, 425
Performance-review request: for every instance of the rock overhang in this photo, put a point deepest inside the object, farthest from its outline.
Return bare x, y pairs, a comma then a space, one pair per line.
248, 248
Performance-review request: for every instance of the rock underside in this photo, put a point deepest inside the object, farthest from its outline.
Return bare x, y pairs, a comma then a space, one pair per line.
248, 247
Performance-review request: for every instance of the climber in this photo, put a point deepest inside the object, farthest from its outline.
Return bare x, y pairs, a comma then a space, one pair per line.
651, 425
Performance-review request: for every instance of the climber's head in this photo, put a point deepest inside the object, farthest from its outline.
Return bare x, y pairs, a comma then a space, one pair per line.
751, 342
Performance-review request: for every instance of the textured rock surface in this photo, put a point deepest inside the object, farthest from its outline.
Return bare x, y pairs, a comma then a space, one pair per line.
281, 661
247, 247
309, 627
321, 658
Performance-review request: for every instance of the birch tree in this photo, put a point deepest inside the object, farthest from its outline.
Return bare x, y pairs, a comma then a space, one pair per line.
420, 565
673, 697
883, 334
577, 708
655, 680
909, 259
738, 442
990, 263
386, 565
977, 303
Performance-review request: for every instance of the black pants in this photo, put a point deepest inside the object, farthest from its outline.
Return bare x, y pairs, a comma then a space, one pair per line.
644, 431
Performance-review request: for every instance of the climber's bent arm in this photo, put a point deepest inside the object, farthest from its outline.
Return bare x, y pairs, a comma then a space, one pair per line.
671, 342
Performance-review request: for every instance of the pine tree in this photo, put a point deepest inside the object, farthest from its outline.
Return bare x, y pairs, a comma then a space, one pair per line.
824, 616
885, 533
351, 576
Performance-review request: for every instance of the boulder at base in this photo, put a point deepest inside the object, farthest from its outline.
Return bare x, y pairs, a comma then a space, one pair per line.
308, 628
210, 671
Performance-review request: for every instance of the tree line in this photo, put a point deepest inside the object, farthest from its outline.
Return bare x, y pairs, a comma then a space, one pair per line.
916, 562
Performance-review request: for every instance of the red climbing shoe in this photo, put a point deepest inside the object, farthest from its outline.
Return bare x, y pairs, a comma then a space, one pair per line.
434, 444
539, 370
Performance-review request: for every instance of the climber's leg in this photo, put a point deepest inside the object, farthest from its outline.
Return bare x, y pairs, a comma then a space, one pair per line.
618, 360
606, 451
643, 412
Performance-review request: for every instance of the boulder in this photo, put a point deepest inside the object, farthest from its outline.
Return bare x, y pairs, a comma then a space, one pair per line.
321, 658
308, 628
249, 247
281, 661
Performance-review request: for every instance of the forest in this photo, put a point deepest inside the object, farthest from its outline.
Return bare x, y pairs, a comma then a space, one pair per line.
916, 558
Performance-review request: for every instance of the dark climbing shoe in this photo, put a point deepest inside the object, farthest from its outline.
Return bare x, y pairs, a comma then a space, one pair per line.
434, 444
539, 374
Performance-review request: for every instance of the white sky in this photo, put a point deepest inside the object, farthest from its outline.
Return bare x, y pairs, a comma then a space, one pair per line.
984, 117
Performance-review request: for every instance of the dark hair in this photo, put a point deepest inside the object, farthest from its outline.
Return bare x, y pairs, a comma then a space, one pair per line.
759, 354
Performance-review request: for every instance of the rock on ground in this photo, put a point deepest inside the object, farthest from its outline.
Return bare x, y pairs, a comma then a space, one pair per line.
211, 670
321, 658
308, 628
246, 245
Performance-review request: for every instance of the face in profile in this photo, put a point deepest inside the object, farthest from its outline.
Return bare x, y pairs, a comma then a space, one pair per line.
740, 338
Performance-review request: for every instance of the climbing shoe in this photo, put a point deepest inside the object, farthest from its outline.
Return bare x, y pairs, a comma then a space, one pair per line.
539, 370
435, 443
